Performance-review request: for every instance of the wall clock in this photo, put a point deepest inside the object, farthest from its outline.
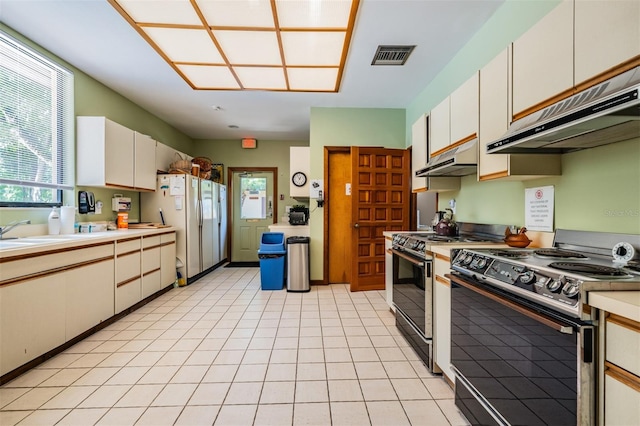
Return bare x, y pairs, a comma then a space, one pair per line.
299, 179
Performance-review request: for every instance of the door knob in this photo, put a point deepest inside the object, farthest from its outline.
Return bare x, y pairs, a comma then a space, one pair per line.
356, 225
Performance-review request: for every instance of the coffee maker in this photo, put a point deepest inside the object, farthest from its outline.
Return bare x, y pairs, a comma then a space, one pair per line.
299, 215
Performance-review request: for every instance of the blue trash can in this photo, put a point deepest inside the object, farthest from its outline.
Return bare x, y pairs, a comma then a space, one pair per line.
272, 255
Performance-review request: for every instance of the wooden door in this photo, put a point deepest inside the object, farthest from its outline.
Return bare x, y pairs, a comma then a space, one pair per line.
380, 202
339, 210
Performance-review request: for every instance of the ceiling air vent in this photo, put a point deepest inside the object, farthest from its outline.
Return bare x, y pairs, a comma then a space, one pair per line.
392, 55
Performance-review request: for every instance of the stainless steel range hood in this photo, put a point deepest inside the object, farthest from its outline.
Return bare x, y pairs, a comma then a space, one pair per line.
606, 113
459, 161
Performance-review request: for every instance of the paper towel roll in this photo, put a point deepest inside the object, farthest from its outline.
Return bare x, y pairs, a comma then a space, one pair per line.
67, 218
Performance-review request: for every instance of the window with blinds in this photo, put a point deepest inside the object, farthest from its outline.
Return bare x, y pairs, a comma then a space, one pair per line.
36, 127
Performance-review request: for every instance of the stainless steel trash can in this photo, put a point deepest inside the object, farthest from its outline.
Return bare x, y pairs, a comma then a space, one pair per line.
298, 275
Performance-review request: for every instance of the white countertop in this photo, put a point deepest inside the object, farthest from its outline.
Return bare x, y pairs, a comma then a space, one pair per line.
28, 245
623, 303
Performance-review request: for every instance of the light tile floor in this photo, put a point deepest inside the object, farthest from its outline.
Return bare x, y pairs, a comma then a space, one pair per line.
222, 351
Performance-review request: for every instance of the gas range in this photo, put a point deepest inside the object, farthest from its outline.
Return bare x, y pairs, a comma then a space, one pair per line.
420, 243
558, 277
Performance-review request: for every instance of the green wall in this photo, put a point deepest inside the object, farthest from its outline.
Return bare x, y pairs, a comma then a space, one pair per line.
94, 98
267, 154
599, 188
382, 127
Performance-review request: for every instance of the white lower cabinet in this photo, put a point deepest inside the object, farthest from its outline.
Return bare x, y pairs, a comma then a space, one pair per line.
621, 371
388, 272
442, 315
167, 259
32, 319
89, 296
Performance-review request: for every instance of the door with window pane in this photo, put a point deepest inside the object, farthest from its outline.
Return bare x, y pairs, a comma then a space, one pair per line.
252, 212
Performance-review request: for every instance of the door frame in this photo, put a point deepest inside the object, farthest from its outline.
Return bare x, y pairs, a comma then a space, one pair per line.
230, 194
327, 151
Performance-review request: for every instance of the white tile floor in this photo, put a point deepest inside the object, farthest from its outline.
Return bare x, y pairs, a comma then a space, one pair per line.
222, 351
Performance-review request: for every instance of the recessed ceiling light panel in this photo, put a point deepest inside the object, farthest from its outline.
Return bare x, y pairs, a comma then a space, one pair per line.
297, 45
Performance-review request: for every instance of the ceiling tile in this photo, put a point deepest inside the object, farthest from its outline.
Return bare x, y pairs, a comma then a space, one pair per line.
161, 11
312, 48
261, 78
312, 79
182, 45
237, 13
250, 47
209, 77
314, 14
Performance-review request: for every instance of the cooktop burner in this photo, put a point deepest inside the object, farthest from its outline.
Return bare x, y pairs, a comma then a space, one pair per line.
510, 254
587, 268
559, 254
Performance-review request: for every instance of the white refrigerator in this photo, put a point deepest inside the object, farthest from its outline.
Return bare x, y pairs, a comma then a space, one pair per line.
222, 221
190, 204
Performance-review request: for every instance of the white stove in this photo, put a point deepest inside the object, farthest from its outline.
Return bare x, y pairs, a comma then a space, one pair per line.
558, 277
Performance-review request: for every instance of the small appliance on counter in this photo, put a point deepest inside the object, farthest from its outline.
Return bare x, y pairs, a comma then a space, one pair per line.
86, 202
299, 215
120, 203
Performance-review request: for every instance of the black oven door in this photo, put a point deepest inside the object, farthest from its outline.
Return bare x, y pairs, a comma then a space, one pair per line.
518, 363
408, 290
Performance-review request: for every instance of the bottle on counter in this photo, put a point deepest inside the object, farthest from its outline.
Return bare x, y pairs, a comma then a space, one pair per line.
54, 222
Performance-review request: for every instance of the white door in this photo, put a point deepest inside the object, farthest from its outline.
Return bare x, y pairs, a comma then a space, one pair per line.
252, 213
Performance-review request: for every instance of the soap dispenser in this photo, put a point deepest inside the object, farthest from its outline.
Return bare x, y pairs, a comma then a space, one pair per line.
54, 222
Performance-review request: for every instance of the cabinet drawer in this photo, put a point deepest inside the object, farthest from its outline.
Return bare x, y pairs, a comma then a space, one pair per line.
127, 267
623, 343
150, 283
150, 259
621, 401
126, 246
441, 266
151, 241
128, 294
167, 238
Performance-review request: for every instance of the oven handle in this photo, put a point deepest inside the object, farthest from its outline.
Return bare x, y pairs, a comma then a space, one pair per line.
408, 258
543, 319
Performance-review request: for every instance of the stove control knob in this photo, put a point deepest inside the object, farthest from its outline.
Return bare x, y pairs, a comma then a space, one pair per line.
468, 259
481, 263
554, 285
527, 277
461, 258
571, 289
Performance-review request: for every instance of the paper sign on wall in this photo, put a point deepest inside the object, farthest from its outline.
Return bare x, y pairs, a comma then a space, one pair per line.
539, 208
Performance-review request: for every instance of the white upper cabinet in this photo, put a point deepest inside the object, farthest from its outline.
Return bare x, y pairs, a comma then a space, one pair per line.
464, 111
165, 155
607, 34
494, 115
439, 138
145, 162
111, 155
419, 152
299, 162
494, 122
543, 61
105, 153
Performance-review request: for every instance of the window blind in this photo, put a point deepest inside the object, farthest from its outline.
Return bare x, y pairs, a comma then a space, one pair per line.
36, 126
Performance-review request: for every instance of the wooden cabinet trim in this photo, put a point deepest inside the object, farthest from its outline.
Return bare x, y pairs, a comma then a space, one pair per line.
128, 253
151, 272
118, 186
167, 244
53, 271
542, 105
124, 240
129, 281
455, 144
610, 73
443, 281
624, 322
153, 247
496, 175
443, 257
622, 376
48, 252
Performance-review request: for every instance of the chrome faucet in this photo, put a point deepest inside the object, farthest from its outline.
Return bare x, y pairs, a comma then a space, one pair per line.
10, 226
